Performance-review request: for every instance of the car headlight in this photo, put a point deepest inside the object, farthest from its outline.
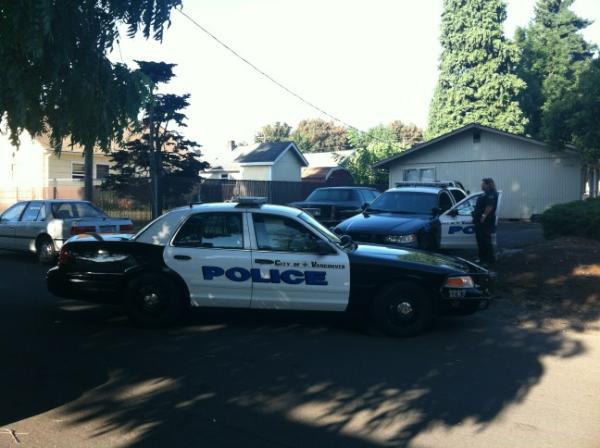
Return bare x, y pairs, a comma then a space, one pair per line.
463, 282
401, 239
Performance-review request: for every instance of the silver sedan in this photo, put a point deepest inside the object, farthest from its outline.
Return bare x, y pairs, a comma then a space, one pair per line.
43, 226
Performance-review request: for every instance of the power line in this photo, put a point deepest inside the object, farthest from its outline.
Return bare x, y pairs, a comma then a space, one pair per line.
274, 81
263, 73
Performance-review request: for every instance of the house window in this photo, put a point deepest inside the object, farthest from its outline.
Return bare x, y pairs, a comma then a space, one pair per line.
476, 137
224, 176
77, 170
411, 175
419, 175
102, 171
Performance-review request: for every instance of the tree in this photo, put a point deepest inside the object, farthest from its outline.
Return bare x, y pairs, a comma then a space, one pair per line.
278, 132
370, 147
554, 53
575, 118
477, 80
56, 76
406, 134
318, 135
158, 155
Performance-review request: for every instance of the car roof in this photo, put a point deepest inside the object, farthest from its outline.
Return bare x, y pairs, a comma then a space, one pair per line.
233, 206
432, 190
346, 188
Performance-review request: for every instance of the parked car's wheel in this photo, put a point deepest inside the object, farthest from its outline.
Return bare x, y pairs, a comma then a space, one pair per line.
45, 250
401, 309
154, 301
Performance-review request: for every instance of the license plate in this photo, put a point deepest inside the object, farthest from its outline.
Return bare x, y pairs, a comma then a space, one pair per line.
108, 229
456, 293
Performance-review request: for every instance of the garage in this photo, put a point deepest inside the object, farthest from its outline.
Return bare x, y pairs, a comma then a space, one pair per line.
532, 176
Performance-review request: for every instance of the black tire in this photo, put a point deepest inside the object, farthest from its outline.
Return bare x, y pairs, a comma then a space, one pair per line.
401, 309
45, 250
154, 301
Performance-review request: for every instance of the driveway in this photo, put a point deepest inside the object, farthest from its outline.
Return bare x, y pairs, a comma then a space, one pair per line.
513, 235
77, 375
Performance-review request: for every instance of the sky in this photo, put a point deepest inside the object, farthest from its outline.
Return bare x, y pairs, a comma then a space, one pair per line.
363, 61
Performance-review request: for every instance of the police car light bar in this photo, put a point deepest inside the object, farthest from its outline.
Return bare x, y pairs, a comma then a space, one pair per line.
424, 184
250, 201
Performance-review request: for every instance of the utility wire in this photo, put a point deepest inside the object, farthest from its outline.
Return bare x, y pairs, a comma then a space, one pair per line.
274, 81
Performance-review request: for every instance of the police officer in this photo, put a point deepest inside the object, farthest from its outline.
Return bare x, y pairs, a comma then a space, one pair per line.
484, 218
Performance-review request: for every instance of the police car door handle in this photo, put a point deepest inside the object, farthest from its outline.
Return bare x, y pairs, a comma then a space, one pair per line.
182, 257
263, 261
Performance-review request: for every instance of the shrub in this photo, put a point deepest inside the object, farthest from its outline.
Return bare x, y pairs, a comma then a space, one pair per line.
578, 218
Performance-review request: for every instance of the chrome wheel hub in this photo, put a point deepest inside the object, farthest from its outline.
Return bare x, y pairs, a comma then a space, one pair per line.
151, 299
404, 308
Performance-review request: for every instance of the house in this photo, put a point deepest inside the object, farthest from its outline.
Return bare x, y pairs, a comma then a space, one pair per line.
268, 161
33, 170
325, 168
531, 175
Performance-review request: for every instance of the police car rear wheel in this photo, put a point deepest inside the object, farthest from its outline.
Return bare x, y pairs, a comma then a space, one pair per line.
401, 309
153, 301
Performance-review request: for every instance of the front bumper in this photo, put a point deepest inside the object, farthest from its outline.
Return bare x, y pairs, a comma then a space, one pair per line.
478, 297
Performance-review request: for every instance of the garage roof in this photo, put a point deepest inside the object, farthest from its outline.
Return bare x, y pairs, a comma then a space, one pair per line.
268, 153
473, 126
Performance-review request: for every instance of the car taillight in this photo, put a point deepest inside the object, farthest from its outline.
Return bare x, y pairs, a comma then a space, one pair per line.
126, 228
78, 230
64, 257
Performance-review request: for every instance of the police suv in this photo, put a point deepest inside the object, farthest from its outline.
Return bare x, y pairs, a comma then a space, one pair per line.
250, 254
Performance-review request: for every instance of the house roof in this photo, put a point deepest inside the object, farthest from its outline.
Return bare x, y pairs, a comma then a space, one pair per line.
268, 153
386, 162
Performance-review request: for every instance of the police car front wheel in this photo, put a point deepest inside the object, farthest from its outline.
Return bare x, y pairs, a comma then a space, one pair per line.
153, 301
401, 309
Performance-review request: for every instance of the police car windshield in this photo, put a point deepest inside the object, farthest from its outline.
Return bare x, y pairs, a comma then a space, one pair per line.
316, 225
409, 202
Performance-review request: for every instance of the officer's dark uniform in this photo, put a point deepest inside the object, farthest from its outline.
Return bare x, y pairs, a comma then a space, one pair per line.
483, 231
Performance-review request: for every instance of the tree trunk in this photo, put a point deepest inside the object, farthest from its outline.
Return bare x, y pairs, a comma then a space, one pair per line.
88, 162
154, 164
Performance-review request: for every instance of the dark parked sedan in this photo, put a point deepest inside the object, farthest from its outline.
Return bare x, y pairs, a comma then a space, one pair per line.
334, 204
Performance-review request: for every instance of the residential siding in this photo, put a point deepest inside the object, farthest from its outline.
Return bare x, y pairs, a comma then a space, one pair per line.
262, 172
287, 168
531, 177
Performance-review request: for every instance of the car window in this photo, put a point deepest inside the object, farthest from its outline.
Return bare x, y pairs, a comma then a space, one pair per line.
277, 233
32, 211
70, 210
14, 213
160, 231
334, 195
409, 202
457, 194
445, 201
212, 230
370, 195
467, 207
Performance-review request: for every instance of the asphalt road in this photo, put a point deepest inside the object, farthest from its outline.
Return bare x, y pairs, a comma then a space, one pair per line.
76, 375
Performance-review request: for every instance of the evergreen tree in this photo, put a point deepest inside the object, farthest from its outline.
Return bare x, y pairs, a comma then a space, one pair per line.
157, 154
554, 53
477, 81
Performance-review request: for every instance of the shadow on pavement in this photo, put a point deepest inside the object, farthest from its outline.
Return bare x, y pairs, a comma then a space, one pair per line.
255, 378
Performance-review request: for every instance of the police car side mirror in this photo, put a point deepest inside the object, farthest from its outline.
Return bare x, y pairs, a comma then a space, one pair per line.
365, 206
323, 248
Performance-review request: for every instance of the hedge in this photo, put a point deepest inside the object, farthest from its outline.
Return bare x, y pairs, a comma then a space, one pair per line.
578, 218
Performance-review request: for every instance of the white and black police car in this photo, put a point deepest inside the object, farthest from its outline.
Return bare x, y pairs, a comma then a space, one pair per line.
249, 254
